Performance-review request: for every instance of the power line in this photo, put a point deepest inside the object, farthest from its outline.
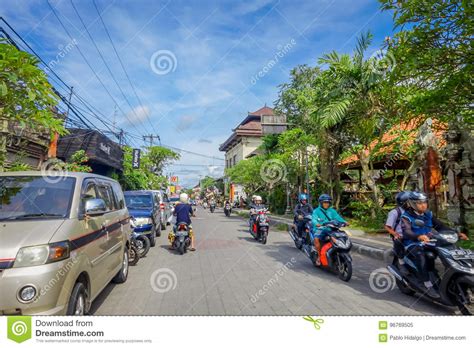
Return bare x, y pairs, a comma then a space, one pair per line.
56, 77
90, 66
121, 64
103, 59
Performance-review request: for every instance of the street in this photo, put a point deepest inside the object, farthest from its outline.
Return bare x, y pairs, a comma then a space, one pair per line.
232, 274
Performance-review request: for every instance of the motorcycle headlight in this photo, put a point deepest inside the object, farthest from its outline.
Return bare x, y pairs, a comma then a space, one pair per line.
42, 254
449, 237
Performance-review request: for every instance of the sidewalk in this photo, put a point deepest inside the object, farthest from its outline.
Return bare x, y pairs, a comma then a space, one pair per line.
372, 245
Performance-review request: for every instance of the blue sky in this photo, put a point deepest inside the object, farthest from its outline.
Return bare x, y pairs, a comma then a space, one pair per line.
219, 54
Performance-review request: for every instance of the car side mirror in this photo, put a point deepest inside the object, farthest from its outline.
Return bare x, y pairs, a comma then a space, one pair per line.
95, 207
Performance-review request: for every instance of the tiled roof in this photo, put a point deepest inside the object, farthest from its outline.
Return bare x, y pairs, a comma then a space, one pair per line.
388, 143
262, 111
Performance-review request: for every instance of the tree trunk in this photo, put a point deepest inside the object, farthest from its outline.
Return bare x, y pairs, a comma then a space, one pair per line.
367, 179
3, 152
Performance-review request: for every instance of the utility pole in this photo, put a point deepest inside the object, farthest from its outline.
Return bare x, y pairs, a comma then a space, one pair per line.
151, 138
69, 103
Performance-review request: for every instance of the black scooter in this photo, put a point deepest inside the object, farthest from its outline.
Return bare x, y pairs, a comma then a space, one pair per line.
297, 238
182, 240
212, 207
455, 283
227, 209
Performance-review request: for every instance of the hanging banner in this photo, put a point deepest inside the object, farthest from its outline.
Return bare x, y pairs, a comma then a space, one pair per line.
136, 153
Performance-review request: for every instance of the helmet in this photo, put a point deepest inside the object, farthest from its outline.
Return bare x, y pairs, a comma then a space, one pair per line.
402, 198
183, 198
325, 198
414, 198
258, 198
303, 197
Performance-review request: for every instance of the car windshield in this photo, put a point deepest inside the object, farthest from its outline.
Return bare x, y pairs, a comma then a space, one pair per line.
138, 201
35, 197
174, 199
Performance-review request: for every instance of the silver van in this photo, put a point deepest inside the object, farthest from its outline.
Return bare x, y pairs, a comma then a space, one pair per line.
161, 198
63, 238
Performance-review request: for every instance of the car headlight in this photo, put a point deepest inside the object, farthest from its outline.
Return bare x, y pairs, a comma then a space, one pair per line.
142, 221
42, 254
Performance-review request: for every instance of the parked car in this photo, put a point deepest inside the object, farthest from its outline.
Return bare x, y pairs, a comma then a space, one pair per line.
161, 198
63, 239
144, 213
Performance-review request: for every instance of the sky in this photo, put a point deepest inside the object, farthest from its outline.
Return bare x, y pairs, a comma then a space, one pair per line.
196, 67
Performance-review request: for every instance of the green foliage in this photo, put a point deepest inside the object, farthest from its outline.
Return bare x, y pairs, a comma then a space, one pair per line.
147, 177
433, 53
25, 93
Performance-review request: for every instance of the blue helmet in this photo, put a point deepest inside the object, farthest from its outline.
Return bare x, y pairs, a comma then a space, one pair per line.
414, 198
402, 198
303, 197
325, 198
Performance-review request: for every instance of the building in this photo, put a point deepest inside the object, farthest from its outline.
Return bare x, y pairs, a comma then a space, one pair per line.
105, 156
246, 138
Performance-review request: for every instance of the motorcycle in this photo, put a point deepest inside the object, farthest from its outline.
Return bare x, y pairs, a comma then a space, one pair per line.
455, 284
212, 207
260, 226
335, 249
181, 239
204, 205
297, 238
141, 243
227, 209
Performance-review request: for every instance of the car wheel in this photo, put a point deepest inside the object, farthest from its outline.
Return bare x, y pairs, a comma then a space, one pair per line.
121, 276
78, 301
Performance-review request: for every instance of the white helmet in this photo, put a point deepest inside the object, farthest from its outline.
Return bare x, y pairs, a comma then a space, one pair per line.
184, 198
258, 198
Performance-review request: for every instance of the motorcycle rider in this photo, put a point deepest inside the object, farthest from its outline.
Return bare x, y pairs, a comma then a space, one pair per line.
257, 205
322, 214
417, 225
393, 226
183, 212
302, 209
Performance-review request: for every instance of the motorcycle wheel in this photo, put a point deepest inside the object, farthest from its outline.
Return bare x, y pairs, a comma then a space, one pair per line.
314, 255
143, 245
344, 269
466, 285
133, 255
264, 238
181, 248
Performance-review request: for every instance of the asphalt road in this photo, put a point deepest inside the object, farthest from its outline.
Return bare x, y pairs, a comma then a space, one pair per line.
232, 274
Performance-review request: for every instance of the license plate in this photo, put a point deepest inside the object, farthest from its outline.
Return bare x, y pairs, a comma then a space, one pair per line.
462, 254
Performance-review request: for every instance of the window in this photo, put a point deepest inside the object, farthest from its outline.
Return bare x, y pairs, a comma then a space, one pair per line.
105, 192
118, 194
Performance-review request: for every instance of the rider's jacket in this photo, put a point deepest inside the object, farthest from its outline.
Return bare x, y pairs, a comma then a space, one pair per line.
321, 216
303, 209
414, 225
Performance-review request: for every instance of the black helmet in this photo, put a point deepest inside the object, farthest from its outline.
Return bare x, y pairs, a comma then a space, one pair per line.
325, 198
402, 198
414, 198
